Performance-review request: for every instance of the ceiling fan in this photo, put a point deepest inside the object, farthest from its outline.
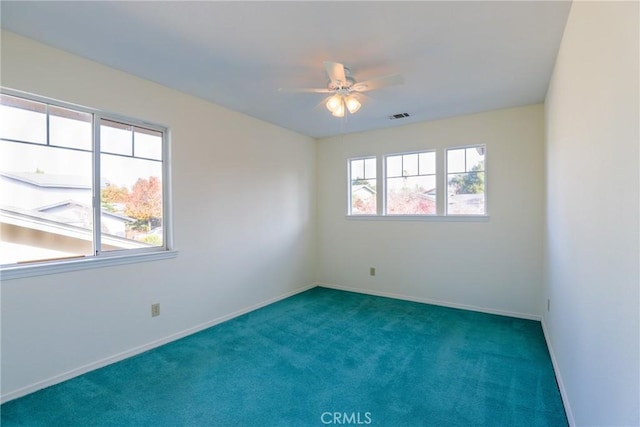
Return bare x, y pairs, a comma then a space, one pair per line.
344, 88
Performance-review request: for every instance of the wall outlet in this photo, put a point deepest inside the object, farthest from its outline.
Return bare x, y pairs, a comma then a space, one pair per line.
548, 304
372, 271
155, 310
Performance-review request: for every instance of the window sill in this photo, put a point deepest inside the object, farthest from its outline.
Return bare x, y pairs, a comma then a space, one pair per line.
20, 271
425, 218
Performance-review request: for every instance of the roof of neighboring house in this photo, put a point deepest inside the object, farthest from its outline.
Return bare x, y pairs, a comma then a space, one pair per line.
363, 187
46, 222
428, 194
73, 203
48, 180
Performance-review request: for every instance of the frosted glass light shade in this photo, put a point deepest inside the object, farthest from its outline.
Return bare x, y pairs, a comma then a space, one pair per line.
339, 111
334, 103
353, 105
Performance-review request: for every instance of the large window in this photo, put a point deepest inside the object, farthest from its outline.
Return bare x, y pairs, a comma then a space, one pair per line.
414, 185
411, 184
78, 183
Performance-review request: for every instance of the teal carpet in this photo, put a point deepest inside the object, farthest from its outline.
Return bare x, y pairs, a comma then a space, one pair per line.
322, 357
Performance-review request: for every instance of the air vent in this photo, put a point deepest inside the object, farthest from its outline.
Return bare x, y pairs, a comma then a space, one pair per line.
398, 116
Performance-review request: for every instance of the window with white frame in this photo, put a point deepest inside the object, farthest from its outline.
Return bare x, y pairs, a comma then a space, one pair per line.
77, 183
411, 184
363, 187
466, 180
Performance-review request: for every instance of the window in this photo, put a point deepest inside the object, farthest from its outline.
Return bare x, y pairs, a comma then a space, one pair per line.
411, 184
414, 185
78, 183
466, 181
363, 190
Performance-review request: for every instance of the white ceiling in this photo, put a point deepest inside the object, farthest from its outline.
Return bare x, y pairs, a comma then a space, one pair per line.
456, 57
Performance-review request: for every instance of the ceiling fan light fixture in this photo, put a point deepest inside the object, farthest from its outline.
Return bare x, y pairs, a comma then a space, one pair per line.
344, 90
339, 112
353, 105
334, 103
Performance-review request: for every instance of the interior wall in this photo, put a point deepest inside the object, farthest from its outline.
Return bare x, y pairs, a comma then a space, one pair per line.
244, 222
592, 231
493, 265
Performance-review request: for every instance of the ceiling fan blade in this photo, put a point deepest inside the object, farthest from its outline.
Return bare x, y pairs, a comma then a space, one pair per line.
304, 90
394, 79
335, 71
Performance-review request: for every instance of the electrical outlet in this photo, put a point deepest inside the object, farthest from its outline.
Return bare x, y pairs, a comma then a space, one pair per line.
155, 310
372, 271
548, 304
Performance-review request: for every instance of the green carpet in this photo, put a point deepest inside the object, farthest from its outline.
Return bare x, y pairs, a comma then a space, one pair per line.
322, 357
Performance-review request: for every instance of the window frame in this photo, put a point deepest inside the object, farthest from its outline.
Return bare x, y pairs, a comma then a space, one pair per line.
385, 211
100, 258
446, 181
350, 187
441, 175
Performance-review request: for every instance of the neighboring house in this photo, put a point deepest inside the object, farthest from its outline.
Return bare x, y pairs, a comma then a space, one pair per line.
74, 213
363, 192
36, 205
41, 235
31, 190
428, 195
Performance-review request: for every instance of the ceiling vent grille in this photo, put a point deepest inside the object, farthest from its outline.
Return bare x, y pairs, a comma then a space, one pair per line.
398, 116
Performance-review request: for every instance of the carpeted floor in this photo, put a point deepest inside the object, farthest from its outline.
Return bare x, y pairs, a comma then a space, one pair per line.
322, 357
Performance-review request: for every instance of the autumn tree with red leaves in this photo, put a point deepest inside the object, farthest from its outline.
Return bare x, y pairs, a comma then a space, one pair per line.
145, 201
111, 194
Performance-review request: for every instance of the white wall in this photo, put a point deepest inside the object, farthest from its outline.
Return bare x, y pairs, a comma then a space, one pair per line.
592, 233
494, 265
244, 219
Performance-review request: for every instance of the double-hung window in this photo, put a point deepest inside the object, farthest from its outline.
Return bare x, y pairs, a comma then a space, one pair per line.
78, 184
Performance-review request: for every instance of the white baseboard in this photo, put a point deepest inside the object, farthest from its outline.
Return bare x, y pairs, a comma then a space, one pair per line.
433, 302
141, 349
556, 369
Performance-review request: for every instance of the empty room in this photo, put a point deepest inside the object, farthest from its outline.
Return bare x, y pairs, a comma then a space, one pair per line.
320, 213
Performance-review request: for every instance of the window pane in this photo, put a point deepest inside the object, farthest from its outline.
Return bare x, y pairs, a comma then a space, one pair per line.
370, 167
475, 159
46, 206
23, 120
413, 192
455, 161
461, 203
411, 195
357, 169
427, 163
394, 166
410, 164
116, 138
131, 202
147, 144
465, 181
363, 198
363, 187
69, 128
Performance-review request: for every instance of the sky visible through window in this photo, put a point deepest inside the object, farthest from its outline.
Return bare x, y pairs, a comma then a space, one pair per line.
28, 126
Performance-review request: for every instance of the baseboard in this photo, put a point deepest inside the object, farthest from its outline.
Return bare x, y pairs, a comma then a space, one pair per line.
431, 301
556, 370
141, 349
